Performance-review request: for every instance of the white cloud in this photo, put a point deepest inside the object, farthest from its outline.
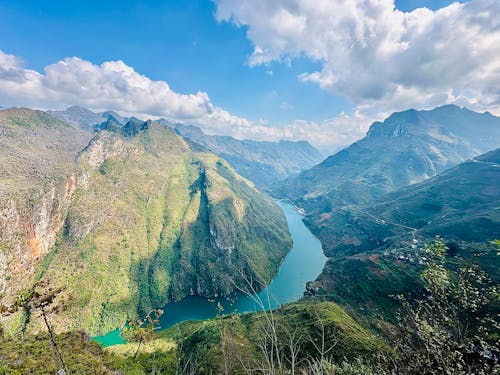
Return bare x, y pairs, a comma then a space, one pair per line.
381, 58
113, 85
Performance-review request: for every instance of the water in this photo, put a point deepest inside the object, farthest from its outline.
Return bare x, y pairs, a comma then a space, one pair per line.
302, 264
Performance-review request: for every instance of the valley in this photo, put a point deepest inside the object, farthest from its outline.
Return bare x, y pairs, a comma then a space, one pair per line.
250, 187
303, 264
128, 216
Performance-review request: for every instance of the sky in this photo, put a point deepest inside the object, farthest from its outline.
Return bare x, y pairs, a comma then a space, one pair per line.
319, 70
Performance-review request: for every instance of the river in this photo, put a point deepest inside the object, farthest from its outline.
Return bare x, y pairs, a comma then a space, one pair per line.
302, 264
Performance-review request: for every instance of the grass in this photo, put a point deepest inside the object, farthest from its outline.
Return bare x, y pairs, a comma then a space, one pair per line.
201, 343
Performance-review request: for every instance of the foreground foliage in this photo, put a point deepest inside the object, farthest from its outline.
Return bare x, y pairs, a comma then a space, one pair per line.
451, 328
454, 327
33, 355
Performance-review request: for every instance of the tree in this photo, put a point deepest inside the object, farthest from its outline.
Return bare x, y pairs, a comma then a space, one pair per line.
41, 298
449, 329
141, 330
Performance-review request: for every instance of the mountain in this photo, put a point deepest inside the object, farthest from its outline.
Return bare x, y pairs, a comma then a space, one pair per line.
377, 250
408, 147
461, 204
84, 118
261, 162
126, 220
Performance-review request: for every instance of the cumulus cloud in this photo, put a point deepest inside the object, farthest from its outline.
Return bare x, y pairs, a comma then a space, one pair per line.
111, 85
381, 58
114, 85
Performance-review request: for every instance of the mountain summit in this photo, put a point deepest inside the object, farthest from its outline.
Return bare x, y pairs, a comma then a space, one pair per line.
406, 148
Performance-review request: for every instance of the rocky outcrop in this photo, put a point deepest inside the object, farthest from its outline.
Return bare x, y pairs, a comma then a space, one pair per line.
29, 227
103, 146
30, 223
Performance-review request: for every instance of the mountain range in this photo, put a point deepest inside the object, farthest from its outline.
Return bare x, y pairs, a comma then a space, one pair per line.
84, 118
262, 162
407, 148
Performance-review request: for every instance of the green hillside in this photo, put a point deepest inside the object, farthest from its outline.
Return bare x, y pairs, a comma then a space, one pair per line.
460, 204
151, 219
377, 251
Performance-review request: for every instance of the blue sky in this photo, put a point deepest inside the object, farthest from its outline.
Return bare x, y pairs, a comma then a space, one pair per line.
181, 42
177, 41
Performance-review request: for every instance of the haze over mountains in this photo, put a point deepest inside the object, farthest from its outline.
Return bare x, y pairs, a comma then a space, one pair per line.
85, 118
262, 162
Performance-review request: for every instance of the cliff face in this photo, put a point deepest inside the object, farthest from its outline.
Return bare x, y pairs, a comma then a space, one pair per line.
38, 181
29, 225
129, 221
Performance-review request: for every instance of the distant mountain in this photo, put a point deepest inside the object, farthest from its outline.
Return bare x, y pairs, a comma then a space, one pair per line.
261, 162
84, 118
127, 219
408, 147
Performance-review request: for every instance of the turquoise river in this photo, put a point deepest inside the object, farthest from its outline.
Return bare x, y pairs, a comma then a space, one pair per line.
303, 263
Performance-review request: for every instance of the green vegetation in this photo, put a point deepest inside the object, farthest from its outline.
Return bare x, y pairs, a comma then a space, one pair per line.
451, 328
145, 219
312, 331
32, 355
41, 299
